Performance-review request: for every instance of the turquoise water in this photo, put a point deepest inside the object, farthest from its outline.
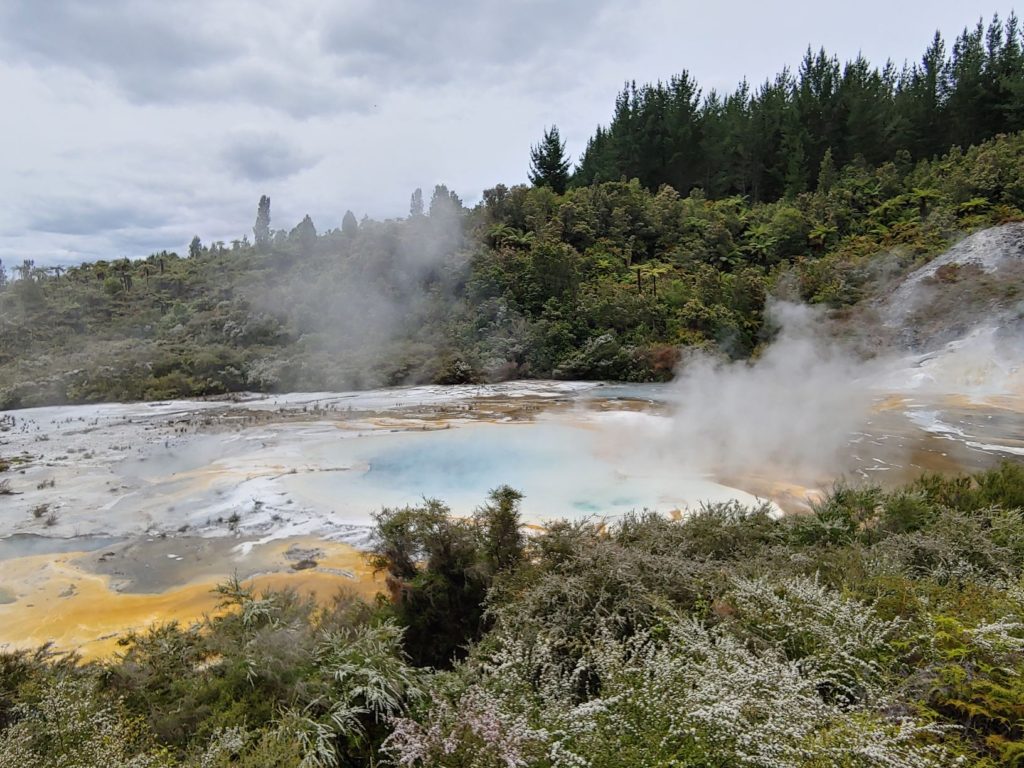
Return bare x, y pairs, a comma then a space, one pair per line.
563, 469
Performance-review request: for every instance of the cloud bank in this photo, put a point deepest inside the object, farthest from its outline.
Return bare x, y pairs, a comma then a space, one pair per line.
182, 114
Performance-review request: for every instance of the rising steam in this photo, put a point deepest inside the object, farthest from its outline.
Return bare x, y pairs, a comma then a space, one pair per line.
791, 411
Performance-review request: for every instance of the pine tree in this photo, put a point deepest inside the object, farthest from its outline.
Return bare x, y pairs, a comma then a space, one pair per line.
261, 230
195, 248
597, 163
416, 203
349, 225
1010, 69
304, 234
549, 166
927, 88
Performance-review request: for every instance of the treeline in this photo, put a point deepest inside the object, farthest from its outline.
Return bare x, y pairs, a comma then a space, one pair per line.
772, 141
698, 210
882, 629
607, 281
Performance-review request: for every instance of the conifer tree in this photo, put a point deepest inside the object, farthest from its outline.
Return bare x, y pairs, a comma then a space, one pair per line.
770, 142
416, 203
349, 225
549, 166
304, 234
261, 230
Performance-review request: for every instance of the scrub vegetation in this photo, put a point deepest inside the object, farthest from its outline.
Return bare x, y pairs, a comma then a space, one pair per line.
881, 629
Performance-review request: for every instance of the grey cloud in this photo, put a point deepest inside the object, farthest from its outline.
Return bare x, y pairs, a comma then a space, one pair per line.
406, 41
125, 102
145, 242
310, 61
177, 53
265, 156
76, 217
141, 43
297, 93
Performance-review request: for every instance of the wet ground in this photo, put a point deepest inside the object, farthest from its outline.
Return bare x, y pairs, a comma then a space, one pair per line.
88, 600
120, 515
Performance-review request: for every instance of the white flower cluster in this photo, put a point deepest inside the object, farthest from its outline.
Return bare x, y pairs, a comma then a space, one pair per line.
1005, 636
835, 641
683, 694
477, 728
66, 728
224, 745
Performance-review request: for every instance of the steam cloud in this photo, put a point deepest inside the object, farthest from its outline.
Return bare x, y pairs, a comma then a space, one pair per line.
366, 309
791, 411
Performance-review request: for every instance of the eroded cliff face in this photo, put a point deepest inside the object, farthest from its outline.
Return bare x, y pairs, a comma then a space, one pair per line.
978, 283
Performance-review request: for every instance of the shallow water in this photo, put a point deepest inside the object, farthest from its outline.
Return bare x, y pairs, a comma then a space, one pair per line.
323, 463
563, 465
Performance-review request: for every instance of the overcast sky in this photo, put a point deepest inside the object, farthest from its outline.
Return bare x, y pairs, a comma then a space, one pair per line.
129, 125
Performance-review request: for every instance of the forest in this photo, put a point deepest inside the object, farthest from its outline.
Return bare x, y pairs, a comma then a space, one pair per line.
607, 281
770, 141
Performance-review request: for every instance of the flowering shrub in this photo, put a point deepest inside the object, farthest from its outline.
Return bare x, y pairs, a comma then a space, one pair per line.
836, 641
66, 726
684, 695
475, 732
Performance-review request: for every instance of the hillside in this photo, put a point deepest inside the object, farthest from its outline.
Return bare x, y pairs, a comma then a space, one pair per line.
606, 281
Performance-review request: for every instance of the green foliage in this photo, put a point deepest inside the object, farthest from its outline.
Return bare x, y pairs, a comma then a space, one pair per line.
882, 628
788, 135
606, 281
549, 166
304, 234
439, 570
701, 642
498, 521
284, 676
62, 722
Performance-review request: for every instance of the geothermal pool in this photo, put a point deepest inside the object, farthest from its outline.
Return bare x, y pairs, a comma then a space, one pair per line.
123, 514
274, 467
